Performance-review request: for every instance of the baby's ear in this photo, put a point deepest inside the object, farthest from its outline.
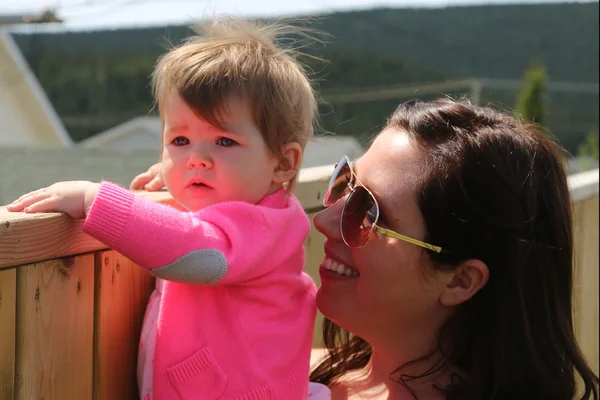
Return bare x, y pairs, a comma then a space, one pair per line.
285, 171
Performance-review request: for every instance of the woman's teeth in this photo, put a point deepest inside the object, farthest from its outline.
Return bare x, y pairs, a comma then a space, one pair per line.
339, 268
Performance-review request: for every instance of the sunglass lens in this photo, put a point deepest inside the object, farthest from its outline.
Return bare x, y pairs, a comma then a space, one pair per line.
338, 183
359, 217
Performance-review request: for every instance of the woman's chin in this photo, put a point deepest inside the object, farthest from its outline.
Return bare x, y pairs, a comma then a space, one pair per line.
332, 308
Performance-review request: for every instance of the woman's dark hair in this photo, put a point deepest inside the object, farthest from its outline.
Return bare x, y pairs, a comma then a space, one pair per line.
494, 189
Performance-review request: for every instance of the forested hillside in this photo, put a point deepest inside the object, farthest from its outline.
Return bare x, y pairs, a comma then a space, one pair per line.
100, 78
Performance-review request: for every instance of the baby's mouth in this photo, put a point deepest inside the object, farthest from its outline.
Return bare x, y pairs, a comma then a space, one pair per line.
198, 187
197, 184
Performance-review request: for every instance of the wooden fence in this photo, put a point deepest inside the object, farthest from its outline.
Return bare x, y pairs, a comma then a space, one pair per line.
71, 309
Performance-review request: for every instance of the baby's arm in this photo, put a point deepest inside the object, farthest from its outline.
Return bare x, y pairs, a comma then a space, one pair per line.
177, 245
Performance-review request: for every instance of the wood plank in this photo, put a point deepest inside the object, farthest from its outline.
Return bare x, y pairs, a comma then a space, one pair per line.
585, 304
122, 292
28, 238
312, 186
8, 305
54, 335
314, 256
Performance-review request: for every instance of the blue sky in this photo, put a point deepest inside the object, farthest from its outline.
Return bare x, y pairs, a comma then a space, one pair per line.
97, 14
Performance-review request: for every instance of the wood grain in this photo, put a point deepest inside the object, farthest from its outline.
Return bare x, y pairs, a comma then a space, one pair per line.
54, 330
122, 293
28, 238
8, 306
586, 287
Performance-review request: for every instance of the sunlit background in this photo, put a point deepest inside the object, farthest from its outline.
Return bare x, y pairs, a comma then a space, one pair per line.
74, 74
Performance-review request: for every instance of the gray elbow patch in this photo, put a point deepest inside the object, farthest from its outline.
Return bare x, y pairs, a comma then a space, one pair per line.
204, 266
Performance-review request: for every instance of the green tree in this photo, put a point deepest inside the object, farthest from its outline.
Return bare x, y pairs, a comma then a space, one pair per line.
589, 148
531, 101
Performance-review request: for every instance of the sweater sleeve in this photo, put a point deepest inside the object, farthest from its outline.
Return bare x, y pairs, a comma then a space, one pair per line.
226, 239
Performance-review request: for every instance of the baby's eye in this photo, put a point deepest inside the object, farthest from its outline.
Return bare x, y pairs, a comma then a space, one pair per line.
180, 141
226, 142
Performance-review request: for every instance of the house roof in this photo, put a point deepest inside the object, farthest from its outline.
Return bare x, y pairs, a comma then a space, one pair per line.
146, 125
24, 107
46, 16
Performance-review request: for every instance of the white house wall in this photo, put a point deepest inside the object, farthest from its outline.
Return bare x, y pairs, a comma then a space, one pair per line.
26, 116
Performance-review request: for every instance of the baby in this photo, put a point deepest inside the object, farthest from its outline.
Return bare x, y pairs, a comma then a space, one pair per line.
232, 314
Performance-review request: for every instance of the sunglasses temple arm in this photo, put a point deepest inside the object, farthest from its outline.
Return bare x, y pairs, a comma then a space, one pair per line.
393, 234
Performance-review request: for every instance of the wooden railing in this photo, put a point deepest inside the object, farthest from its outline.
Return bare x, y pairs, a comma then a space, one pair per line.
584, 192
71, 309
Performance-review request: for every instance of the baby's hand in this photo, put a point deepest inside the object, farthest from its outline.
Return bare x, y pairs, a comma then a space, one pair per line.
73, 198
150, 180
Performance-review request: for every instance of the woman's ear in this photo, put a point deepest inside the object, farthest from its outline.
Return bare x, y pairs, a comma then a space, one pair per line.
464, 282
292, 154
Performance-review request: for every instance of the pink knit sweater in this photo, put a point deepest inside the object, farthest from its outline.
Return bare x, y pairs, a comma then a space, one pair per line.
237, 312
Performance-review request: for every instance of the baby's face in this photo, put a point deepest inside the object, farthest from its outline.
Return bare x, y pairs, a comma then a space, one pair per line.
204, 165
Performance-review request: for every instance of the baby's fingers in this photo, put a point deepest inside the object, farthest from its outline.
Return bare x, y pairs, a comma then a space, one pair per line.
44, 205
155, 184
139, 181
25, 201
35, 192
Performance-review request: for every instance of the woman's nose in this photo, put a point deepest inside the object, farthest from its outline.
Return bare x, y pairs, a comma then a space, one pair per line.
199, 157
328, 221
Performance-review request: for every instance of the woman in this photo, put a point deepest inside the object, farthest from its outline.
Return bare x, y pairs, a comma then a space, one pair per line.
448, 270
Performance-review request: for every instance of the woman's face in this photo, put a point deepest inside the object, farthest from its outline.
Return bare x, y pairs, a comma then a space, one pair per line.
394, 291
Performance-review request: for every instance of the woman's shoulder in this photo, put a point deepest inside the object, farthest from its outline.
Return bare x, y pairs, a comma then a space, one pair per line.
317, 391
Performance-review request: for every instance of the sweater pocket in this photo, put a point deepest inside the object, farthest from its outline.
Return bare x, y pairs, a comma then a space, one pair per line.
198, 377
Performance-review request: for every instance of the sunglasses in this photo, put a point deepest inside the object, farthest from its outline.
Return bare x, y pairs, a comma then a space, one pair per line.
361, 211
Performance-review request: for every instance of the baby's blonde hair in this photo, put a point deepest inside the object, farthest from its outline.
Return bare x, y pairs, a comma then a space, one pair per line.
234, 57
